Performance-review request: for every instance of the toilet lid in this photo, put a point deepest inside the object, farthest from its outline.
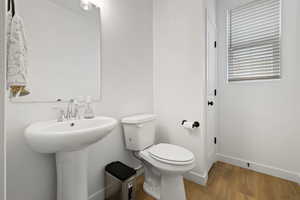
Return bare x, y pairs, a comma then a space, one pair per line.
172, 154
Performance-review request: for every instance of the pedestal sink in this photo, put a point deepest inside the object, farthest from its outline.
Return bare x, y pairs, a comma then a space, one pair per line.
69, 141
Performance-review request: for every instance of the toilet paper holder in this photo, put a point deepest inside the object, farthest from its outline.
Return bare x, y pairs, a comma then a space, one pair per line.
195, 124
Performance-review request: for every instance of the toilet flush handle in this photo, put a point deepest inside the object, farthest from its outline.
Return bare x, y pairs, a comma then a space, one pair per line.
140, 125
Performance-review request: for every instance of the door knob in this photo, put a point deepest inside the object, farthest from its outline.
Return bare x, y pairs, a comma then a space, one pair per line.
210, 103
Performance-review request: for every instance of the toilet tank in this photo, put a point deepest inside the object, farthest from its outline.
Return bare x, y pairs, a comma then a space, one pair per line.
139, 131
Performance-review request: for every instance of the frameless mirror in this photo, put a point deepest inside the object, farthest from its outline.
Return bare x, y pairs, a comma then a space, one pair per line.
63, 50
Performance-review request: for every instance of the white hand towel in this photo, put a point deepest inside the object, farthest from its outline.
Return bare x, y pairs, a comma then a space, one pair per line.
16, 52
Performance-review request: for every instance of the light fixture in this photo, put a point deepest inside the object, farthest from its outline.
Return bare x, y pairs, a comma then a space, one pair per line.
89, 4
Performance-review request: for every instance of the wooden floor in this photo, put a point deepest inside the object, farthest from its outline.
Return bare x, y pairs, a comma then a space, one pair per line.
228, 182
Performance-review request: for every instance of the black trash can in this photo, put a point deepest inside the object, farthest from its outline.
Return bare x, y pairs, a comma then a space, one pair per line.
120, 182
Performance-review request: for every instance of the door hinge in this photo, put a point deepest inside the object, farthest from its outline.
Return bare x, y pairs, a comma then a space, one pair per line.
215, 140
215, 44
215, 92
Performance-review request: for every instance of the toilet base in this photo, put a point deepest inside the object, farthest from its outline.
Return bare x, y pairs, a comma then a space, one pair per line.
172, 187
152, 190
163, 186
152, 181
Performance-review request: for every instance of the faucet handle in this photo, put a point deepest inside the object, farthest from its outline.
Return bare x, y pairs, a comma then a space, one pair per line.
79, 104
61, 113
78, 109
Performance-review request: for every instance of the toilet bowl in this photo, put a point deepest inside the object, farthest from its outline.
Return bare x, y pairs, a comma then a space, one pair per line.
164, 164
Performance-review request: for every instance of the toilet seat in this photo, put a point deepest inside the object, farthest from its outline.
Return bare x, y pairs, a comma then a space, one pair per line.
171, 154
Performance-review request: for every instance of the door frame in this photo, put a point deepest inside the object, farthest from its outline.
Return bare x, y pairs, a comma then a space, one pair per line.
207, 22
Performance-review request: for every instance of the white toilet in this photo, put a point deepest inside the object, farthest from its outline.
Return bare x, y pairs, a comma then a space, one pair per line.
164, 163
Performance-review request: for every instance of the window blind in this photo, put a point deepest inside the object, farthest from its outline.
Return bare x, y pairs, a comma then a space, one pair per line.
254, 32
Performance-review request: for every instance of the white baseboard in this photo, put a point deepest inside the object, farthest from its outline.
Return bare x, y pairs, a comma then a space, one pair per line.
273, 171
99, 195
196, 177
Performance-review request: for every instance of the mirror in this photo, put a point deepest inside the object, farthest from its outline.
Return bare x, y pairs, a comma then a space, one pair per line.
63, 50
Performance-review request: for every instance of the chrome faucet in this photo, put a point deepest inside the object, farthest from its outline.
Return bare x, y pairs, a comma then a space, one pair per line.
72, 112
61, 116
70, 108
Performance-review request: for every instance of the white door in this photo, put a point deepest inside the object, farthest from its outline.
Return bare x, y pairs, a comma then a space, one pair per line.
211, 93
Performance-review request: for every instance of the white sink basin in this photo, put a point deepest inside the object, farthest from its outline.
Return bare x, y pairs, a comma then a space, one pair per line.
69, 140
53, 136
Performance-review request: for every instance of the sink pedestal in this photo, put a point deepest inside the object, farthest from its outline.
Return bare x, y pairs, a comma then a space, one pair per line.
72, 175
69, 140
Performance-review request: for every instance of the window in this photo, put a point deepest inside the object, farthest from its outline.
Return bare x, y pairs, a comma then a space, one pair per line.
254, 32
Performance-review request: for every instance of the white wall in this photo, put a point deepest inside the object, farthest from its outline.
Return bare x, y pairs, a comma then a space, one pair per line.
2, 100
259, 120
179, 75
127, 88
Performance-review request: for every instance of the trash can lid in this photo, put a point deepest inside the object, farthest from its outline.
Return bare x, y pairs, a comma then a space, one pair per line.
120, 170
